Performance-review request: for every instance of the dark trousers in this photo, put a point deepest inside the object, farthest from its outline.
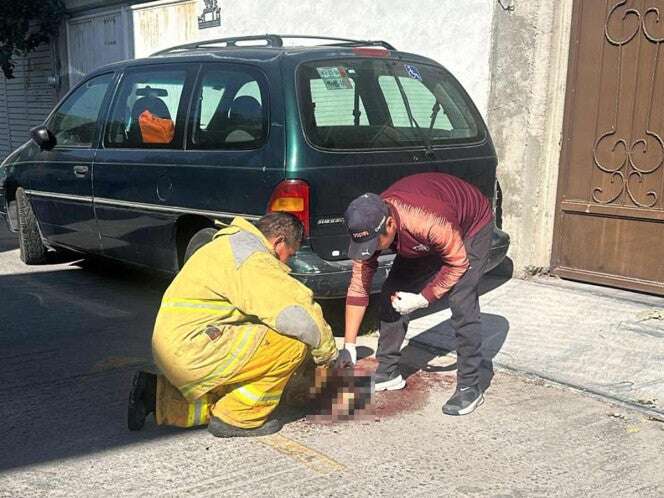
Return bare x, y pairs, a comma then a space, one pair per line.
411, 275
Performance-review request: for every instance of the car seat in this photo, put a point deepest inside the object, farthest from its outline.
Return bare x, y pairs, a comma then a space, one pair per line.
148, 103
245, 120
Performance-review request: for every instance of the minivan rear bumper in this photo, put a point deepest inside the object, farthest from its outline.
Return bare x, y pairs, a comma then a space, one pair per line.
330, 279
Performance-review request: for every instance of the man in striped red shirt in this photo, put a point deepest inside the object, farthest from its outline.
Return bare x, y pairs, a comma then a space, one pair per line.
440, 227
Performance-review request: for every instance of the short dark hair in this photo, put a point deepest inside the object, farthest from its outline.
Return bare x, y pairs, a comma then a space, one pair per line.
284, 225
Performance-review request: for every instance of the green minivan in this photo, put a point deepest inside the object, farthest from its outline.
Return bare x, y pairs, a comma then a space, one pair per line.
239, 126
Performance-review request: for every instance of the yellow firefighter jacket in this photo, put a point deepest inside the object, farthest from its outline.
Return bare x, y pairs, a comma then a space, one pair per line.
216, 312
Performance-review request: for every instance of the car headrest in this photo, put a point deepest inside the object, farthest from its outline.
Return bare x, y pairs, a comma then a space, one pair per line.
246, 111
153, 104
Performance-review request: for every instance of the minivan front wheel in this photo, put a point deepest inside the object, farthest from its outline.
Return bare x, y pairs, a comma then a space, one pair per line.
32, 248
199, 239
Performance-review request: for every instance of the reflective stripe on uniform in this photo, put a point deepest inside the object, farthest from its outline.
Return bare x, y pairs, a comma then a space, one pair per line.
239, 347
200, 412
253, 397
190, 414
197, 412
196, 305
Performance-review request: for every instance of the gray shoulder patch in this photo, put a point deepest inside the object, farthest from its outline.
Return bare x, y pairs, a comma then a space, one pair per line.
294, 321
244, 244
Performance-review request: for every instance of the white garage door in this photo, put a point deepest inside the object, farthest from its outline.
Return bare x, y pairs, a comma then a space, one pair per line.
95, 40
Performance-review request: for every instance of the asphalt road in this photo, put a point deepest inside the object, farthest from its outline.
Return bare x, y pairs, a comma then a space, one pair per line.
71, 335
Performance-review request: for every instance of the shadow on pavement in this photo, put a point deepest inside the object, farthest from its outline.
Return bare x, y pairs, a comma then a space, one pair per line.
70, 341
440, 340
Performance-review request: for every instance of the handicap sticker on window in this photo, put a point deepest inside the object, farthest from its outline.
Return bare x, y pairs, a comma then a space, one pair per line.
413, 72
335, 78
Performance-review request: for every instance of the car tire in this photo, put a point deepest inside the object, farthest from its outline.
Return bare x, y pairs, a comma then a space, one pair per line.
32, 248
199, 239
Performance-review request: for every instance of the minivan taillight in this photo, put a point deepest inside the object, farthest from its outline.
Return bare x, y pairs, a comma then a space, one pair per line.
292, 196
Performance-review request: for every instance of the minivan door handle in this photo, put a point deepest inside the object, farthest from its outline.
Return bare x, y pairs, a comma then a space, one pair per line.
80, 171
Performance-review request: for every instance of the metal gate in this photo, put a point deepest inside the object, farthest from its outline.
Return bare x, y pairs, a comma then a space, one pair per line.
610, 208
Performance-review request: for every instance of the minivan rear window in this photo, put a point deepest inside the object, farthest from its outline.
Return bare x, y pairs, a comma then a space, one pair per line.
382, 103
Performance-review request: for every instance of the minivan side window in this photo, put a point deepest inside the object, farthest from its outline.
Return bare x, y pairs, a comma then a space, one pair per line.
74, 123
145, 110
230, 110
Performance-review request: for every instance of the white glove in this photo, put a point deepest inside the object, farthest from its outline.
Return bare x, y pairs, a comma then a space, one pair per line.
405, 302
347, 356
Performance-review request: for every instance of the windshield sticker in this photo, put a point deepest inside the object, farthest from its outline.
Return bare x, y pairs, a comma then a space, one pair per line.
413, 72
335, 78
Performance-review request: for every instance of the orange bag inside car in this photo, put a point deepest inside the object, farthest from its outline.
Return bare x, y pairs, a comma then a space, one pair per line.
155, 130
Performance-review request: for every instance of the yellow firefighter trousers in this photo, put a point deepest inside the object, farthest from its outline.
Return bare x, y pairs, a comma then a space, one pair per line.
247, 398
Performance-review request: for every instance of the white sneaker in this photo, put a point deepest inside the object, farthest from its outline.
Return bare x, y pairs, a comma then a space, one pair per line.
385, 383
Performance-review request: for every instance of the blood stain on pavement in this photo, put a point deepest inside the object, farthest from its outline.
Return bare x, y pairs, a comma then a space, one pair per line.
413, 397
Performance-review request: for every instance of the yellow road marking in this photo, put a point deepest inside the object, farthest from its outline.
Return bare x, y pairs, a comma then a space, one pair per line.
308, 457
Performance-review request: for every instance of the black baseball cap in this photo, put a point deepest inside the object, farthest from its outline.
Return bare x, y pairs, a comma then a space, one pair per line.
365, 220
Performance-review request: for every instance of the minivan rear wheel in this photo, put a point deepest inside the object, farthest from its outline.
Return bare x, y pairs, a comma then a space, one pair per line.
199, 239
32, 248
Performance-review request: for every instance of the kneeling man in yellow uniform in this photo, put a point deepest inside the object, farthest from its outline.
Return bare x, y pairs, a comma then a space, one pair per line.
232, 328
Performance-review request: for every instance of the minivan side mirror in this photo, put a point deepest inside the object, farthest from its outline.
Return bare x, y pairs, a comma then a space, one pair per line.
43, 137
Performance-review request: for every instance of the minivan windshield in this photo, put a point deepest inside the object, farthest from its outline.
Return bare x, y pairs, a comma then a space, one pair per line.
360, 103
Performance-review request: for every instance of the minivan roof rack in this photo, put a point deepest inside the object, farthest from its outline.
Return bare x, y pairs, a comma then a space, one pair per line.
275, 41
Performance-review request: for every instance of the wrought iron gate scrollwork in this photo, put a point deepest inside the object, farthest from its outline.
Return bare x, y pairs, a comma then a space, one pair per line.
630, 169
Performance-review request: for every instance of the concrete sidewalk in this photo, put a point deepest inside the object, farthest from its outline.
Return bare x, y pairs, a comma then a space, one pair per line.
604, 341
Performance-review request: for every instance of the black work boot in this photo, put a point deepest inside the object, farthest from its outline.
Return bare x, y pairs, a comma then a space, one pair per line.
220, 428
464, 400
142, 399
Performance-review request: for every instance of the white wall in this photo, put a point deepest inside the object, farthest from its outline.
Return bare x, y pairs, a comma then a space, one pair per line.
456, 33
163, 24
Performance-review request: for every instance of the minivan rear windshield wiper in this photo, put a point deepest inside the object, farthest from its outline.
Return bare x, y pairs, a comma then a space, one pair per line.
425, 138
356, 106
434, 114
